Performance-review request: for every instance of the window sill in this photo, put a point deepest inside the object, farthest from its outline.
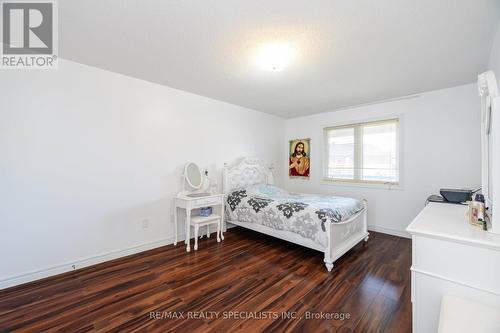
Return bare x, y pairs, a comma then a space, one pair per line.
374, 185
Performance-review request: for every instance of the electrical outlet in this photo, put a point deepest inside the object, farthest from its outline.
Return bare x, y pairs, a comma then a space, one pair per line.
145, 223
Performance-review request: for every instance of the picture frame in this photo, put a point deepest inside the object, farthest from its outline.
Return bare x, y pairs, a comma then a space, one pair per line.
299, 158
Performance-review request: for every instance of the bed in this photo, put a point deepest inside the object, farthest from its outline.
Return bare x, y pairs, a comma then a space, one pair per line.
332, 225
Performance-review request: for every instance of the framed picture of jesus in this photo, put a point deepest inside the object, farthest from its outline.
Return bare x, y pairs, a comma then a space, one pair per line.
299, 161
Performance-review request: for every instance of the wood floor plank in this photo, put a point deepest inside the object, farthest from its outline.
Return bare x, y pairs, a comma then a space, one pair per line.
238, 281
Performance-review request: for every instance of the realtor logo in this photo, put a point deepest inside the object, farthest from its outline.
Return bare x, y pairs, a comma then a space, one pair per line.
29, 34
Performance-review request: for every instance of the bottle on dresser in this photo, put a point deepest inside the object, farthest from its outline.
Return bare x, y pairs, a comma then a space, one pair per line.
476, 212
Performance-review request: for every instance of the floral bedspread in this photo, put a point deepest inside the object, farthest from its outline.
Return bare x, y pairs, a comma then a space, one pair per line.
303, 214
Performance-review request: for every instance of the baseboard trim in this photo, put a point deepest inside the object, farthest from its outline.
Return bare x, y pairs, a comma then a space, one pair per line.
389, 231
94, 260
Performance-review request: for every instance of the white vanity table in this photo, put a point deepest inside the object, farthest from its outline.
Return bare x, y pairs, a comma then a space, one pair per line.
195, 196
450, 257
189, 203
453, 260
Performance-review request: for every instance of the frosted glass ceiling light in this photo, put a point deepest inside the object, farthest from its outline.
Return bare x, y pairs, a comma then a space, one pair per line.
275, 56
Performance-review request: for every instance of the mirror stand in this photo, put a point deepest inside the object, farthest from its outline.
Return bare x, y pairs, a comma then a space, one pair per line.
194, 184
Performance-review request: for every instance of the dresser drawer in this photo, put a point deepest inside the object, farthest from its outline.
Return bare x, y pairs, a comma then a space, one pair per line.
470, 265
202, 202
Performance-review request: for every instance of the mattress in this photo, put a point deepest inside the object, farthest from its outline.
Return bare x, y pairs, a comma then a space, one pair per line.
304, 214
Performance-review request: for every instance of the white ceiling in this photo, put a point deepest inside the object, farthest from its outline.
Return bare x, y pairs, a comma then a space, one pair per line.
349, 51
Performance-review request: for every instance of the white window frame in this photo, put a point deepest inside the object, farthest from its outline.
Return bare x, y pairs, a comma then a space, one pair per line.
357, 182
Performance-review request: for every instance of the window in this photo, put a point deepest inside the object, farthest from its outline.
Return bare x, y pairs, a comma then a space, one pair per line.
363, 153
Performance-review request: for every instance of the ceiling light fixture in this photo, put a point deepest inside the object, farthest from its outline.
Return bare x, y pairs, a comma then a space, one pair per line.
275, 56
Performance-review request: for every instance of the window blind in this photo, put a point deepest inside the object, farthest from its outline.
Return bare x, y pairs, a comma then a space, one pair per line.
364, 152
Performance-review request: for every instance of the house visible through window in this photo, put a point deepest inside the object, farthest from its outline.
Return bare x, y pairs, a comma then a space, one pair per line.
363, 153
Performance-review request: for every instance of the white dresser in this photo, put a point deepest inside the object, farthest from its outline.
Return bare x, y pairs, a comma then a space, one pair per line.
450, 257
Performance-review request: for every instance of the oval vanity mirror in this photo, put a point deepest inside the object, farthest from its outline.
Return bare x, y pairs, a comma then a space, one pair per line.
192, 174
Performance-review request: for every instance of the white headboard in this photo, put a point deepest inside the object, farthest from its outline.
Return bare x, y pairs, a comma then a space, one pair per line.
249, 171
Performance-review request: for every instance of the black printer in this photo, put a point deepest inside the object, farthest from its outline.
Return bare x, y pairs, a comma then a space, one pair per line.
454, 196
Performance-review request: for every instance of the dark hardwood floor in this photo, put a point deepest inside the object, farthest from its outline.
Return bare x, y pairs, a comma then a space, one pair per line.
249, 275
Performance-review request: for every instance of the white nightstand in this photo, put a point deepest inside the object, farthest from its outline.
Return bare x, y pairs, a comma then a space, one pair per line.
188, 203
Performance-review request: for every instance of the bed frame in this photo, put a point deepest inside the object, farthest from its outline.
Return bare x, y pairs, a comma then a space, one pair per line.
341, 236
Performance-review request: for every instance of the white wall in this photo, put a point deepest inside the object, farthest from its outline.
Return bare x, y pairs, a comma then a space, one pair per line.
86, 155
440, 133
494, 62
